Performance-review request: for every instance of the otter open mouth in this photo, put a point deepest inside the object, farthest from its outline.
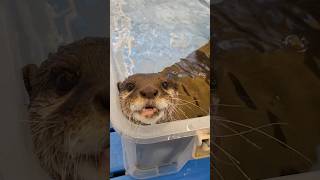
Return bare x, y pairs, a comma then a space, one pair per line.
149, 111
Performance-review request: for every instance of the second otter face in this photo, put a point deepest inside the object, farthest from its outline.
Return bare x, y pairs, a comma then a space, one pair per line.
145, 98
69, 109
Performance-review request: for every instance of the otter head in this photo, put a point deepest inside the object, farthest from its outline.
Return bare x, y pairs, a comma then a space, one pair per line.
69, 106
146, 98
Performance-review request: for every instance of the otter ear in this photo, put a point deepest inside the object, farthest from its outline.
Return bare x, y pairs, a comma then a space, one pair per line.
29, 72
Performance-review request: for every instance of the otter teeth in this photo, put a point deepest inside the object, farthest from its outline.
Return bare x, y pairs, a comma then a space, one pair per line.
148, 111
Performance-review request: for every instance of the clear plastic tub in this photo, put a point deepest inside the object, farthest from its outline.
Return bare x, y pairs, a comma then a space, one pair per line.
159, 149
146, 37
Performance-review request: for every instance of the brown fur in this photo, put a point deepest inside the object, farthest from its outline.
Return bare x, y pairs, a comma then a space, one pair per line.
69, 109
142, 82
188, 95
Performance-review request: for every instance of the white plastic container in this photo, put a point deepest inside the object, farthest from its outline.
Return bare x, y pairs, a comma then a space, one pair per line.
159, 149
146, 37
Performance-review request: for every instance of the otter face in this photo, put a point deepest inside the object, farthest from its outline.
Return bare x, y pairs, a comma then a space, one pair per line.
146, 98
69, 107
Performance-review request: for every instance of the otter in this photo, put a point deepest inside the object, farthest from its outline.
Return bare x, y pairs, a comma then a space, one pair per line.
148, 98
69, 109
178, 92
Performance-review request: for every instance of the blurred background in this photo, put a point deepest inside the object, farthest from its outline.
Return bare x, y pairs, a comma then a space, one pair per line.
29, 30
267, 69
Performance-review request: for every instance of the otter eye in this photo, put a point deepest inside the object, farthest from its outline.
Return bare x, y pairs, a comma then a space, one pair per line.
65, 82
130, 86
165, 85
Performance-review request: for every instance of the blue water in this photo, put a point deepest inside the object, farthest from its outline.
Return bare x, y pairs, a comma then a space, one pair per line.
148, 35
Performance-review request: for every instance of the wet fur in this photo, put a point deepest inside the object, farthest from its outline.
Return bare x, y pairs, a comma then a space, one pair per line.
131, 101
187, 95
268, 93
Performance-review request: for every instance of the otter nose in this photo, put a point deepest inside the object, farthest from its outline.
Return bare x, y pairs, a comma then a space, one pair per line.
149, 92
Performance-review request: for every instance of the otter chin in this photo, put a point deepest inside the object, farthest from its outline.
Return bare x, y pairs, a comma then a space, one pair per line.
148, 98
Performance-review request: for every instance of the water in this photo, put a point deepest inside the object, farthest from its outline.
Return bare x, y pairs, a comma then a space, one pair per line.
148, 35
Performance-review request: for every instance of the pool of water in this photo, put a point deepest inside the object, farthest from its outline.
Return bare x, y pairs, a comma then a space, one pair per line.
148, 35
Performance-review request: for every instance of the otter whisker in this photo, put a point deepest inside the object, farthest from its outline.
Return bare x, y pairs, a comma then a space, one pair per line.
218, 172
170, 114
176, 112
192, 100
186, 105
177, 108
267, 135
220, 160
227, 153
191, 104
248, 131
180, 110
171, 110
235, 161
238, 133
230, 105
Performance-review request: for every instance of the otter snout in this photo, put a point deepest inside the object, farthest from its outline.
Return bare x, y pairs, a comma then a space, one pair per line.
145, 98
149, 92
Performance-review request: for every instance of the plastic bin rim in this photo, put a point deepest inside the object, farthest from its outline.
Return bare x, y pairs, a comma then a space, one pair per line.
162, 132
